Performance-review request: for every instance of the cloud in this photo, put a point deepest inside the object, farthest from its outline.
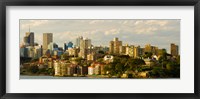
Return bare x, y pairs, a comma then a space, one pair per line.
155, 26
112, 32
156, 22
139, 22
96, 21
32, 23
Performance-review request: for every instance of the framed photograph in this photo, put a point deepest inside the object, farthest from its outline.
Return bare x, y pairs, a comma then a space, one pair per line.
99, 49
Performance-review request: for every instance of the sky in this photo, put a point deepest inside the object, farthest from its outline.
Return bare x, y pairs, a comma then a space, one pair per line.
159, 33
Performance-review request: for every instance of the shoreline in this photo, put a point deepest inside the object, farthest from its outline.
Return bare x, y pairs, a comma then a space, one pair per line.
75, 77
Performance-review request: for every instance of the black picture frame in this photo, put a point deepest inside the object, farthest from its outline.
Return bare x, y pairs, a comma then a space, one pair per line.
4, 3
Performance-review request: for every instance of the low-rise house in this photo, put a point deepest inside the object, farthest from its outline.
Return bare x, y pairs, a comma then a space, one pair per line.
85, 70
108, 58
149, 62
45, 59
124, 76
155, 57
102, 69
60, 68
97, 69
144, 74
50, 64
91, 57
70, 70
57, 68
90, 70
63, 68
42, 66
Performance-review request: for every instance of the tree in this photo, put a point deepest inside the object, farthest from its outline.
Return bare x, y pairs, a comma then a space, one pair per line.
124, 56
173, 69
112, 69
123, 61
34, 59
100, 60
107, 68
65, 56
157, 72
119, 68
178, 60
139, 62
42, 71
101, 52
50, 71
131, 64
164, 54
116, 60
33, 69
170, 66
79, 60
148, 54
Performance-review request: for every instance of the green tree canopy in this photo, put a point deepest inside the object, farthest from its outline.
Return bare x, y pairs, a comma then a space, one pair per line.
101, 52
148, 54
33, 69
65, 56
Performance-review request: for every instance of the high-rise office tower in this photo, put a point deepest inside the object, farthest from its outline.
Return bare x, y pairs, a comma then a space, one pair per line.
65, 47
136, 51
122, 50
51, 47
29, 38
111, 47
26, 41
115, 46
174, 49
70, 44
84, 45
78, 40
47, 39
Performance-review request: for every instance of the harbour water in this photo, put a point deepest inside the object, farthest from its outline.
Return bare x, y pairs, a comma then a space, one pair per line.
55, 77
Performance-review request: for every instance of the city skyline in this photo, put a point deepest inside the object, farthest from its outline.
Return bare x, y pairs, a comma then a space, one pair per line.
159, 33
108, 48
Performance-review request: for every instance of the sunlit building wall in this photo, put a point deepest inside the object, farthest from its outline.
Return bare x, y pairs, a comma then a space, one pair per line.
174, 49
114, 46
47, 39
29, 38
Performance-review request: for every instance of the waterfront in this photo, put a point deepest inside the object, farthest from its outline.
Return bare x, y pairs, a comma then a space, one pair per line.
115, 56
55, 77
24, 77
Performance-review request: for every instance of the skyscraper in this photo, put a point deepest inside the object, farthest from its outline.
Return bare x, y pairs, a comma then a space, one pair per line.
148, 48
111, 47
115, 46
131, 50
29, 38
136, 51
26, 41
70, 44
84, 45
47, 39
65, 47
174, 49
37, 51
78, 40
122, 50
51, 47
